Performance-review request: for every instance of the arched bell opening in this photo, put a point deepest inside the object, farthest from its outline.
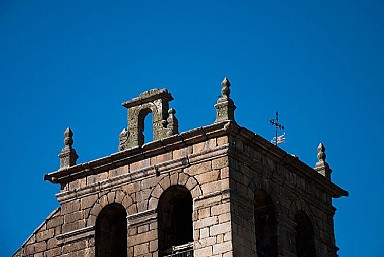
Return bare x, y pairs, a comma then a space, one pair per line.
265, 225
305, 242
175, 227
146, 126
111, 232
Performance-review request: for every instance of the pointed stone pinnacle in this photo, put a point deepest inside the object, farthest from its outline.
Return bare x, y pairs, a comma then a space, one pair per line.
322, 166
225, 107
68, 141
225, 91
321, 156
68, 155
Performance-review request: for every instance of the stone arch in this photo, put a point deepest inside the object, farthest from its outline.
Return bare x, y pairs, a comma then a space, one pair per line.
180, 179
113, 197
258, 183
265, 211
306, 228
299, 206
142, 113
174, 219
111, 231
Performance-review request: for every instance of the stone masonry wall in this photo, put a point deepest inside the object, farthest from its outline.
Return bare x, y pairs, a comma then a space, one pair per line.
201, 167
252, 168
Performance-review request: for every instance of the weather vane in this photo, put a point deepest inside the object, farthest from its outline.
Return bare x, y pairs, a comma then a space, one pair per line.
275, 122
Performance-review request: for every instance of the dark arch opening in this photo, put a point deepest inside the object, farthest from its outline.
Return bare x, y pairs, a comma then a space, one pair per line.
305, 243
174, 218
146, 126
111, 232
265, 225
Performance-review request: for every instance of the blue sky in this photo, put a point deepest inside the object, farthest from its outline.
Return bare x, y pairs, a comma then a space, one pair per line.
72, 63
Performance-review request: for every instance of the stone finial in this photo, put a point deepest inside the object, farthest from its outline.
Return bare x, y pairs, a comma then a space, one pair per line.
124, 135
322, 166
68, 155
321, 153
225, 91
225, 108
172, 124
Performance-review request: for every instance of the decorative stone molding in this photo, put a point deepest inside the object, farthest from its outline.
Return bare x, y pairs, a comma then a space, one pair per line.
165, 123
141, 218
75, 235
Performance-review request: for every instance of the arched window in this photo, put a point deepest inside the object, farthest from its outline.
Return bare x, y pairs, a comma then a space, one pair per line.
305, 243
145, 124
111, 232
175, 220
265, 225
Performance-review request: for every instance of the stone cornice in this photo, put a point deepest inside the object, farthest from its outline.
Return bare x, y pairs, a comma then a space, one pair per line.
135, 154
292, 163
225, 128
75, 235
150, 171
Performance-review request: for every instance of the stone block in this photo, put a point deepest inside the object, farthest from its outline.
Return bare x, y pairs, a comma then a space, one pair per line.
53, 252
222, 248
204, 232
141, 249
45, 234
55, 221
88, 201
222, 140
183, 178
213, 186
199, 147
67, 227
72, 217
203, 252
211, 143
219, 229
199, 168
139, 165
153, 246
207, 177
204, 212
220, 163
206, 222
161, 158
70, 207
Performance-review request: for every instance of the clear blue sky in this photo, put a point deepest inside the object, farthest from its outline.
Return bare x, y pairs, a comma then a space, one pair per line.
72, 63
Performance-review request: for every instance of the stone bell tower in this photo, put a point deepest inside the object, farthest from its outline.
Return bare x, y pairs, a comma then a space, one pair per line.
154, 101
219, 190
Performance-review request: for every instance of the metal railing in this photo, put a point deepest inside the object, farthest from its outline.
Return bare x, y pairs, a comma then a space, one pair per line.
180, 251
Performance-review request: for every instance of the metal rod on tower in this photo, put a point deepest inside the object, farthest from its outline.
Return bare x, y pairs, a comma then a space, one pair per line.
275, 122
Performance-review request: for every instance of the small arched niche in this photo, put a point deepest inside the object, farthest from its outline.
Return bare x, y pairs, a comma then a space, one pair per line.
265, 225
146, 126
174, 219
111, 232
305, 243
